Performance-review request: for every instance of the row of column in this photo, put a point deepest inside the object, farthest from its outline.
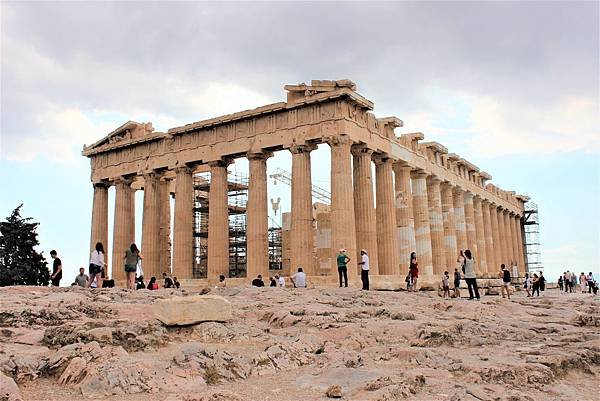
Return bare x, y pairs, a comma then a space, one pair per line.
415, 212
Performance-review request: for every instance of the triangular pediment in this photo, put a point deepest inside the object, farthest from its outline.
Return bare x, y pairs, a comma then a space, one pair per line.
128, 131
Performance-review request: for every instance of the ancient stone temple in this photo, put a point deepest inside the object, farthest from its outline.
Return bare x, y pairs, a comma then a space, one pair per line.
421, 198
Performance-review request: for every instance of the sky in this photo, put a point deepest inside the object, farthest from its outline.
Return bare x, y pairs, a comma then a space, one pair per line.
510, 86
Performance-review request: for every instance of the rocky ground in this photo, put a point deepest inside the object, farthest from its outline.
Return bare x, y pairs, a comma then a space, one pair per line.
287, 344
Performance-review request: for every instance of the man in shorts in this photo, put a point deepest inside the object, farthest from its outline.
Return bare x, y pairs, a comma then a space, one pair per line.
505, 275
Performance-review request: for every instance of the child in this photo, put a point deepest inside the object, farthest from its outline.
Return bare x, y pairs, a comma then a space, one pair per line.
445, 284
527, 284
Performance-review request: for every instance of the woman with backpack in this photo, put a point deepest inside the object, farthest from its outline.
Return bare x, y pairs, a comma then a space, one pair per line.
132, 258
96, 264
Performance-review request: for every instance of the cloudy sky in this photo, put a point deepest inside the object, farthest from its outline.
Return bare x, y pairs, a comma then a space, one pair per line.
511, 86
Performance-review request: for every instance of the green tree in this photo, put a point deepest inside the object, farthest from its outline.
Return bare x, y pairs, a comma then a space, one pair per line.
20, 263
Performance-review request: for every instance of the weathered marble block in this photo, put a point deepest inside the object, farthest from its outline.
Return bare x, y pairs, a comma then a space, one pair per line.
181, 311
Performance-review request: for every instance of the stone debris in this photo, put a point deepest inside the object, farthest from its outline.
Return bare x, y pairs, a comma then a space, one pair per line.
180, 311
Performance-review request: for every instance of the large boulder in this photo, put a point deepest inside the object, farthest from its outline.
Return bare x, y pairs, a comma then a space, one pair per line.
9, 390
181, 311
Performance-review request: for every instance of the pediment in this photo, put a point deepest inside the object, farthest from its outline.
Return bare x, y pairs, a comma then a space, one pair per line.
129, 131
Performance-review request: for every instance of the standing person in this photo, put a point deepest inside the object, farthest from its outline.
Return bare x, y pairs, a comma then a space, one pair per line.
567, 281
590, 282
132, 258
258, 281
56, 269
280, 281
413, 271
299, 279
456, 283
505, 275
560, 282
470, 276
82, 279
573, 281
527, 284
364, 269
542, 282
96, 263
342, 262
582, 282
446, 284
535, 285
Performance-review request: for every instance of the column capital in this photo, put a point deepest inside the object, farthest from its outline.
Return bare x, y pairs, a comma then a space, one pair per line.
418, 173
382, 158
458, 190
101, 184
302, 148
259, 154
468, 194
361, 150
183, 169
124, 180
224, 162
339, 140
434, 179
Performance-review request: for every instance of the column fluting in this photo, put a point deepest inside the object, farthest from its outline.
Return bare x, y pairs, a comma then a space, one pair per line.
450, 244
387, 244
164, 247
218, 221
405, 221
301, 235
257, 217
151, 226
436, 225
122, 230
183, 230
489, 238
459, 218
470, 226
364, 208
480, 236
421, 216
99, 228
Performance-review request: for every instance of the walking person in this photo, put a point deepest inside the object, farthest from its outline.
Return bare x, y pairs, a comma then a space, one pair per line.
446, 284
413, 271
582, 282
573, 282
505, 275
535, 285
560, 282
342, 265
470, 277
567, 280
456, 283
590, 282
132, 258
96, 263
527, 284
56, 269
364, 269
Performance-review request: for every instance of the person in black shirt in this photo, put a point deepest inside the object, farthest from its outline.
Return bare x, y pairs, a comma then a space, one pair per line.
56, 269
273, 283
168, 281
258, 281
505, 275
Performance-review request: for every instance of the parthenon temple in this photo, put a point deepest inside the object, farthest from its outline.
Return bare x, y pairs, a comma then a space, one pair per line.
420, 198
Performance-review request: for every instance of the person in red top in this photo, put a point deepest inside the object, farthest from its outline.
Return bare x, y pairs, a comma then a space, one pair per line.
152, 285
413, 271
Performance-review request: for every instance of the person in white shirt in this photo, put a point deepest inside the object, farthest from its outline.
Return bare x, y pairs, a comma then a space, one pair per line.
299, 279
280, 281
96, 264
364, 269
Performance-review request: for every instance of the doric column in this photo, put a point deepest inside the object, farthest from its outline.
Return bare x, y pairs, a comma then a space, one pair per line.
218, 221
508, 237
436, 225
343, 228
494, 213
257, 229
124, 225
502, 232
151, 226
405, 221
364, 208
421, 215
183, 230
519, 229
302, 237
513, 237
480, 236
100, 218
459, 218
470, 226
164, 246
450, 245
387, 243
489, 237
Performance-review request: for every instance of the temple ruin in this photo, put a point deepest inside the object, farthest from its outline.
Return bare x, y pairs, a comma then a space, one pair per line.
421, 198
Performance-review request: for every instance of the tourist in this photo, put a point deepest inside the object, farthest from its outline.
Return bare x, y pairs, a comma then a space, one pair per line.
527, 284
590, 283
280, 281
299, 279
342, 262
258, 281
582, 282
446, 284
535, 285
364, 269
456, 283
168, 281
152, 285
573, 281
470, 277
461, 261
140, 283
505, 276
56, 269
413, 271
221, 282
542, 282
567, 280
96, 263
132, 258
82, 279
560, 282
176, 282
272, 282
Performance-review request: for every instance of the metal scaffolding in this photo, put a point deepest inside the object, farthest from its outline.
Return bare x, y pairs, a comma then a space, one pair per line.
530, 225
285, 177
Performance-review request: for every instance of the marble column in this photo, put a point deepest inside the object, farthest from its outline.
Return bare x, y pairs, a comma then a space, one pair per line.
421, 215
470, 226
436, 225
496, 234
343, 227
100, 219
364, 209
523, 267
508, 239
480, 236
257, 229
301, 234
515, 241
405, 221
218, 221
450, 244
151, 226
164, 247
183, 230
502, 232
459, 218
387, 243
124, 226
489, 238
